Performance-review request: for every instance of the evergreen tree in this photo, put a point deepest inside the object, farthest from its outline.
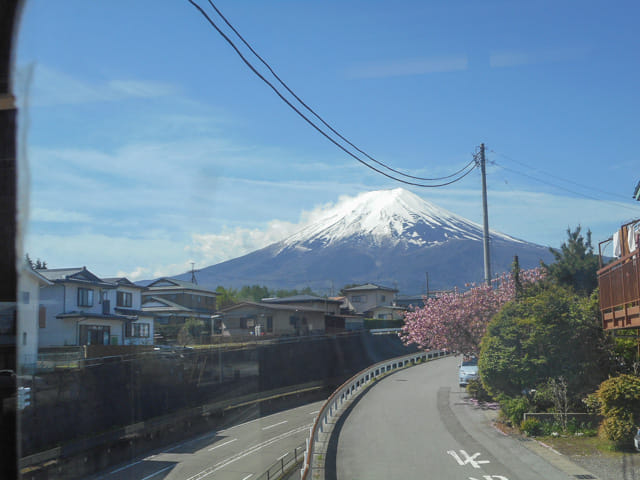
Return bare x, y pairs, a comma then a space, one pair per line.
575, 263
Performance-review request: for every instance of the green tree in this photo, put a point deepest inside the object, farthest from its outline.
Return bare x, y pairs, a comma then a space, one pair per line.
575, 263
226, 297
190, 331
253, 293
550, 333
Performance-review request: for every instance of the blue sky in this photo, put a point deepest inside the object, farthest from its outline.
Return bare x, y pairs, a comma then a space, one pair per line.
149, 144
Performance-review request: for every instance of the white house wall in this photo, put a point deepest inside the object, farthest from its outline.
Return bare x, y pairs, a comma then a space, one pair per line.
27, 328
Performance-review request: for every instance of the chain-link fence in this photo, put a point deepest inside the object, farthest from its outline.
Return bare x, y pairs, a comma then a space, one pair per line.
285, 464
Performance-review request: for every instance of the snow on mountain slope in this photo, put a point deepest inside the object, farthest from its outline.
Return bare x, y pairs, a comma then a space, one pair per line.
391, 217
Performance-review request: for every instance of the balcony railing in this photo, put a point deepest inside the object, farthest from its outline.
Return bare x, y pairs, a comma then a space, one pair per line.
620, 292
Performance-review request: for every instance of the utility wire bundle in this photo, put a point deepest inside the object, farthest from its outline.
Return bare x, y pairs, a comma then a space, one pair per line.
326, 130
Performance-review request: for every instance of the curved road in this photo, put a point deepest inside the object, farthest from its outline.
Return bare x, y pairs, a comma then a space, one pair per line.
417, 424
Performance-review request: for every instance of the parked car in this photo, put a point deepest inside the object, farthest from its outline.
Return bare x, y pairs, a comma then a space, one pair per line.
636, 440
468, 371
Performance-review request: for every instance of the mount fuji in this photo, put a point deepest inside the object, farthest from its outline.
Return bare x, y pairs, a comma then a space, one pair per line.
388, 237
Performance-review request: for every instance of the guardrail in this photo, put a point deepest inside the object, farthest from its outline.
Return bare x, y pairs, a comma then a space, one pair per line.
285, 464
350, 388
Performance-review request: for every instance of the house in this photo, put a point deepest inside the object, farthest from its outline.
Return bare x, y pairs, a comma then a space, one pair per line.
126, 299
619, 281
365, 298
30, 314
386, 312
271, 318
334, 320
79, 308
172, 302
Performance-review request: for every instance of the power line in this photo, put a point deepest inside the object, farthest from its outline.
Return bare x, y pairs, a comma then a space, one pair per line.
266, 64
563, 188
559, 178
318, 129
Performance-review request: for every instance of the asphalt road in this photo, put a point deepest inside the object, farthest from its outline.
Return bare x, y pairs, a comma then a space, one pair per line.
241, 452
418, 424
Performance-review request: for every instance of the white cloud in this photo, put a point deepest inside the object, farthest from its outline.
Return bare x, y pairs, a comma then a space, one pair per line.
52, 87
408, 67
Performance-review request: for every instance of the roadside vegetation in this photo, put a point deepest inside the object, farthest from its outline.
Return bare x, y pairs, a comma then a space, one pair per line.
541, 348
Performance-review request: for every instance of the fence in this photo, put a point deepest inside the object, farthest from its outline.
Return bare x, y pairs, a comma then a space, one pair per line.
285, 464
347, 390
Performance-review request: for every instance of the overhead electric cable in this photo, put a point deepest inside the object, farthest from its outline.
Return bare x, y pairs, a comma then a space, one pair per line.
558, 177
304, 117
266, 64
617, 204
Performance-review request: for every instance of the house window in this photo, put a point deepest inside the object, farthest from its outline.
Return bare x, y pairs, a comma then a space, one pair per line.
42, 317
94, 335
85, 297
124, 299
383, 298
24, 338
140, 330
25, 297
359, 298
269, 324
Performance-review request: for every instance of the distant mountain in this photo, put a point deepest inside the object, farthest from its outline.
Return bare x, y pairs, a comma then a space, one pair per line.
389, 237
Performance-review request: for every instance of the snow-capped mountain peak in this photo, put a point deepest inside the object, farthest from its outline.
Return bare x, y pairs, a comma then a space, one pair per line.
393, 217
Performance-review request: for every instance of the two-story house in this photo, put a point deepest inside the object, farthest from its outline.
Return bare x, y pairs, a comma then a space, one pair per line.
173, 302
79, 308
370, 299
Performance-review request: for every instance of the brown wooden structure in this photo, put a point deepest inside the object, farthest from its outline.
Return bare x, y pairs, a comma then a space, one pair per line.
619, 283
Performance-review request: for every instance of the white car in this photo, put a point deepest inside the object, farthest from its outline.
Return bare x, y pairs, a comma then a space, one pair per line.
636, 440
468, 371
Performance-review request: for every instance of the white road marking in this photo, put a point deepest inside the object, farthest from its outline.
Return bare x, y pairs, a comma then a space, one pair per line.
467, 459
248, 476
275, 425
125, 467
240, 455
222, 444
313, 413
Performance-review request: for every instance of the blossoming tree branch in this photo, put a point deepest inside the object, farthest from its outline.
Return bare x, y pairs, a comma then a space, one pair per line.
457, 321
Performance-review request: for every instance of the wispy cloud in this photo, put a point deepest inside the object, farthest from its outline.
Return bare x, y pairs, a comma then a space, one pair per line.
52, 87
408, 67
514, 58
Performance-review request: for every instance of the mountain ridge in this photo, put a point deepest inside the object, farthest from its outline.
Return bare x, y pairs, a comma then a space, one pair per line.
391, 237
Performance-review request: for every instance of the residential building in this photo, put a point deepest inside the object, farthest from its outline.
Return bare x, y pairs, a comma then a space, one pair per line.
251, 318
79, 308
365, 298
172, 302
619, 281
30, 313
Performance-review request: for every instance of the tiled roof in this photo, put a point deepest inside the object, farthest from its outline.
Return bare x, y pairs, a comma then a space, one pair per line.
290, 308
299, 298
177, 284
368, 286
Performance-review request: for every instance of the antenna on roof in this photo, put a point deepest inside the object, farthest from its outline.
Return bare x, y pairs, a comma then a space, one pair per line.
193, 274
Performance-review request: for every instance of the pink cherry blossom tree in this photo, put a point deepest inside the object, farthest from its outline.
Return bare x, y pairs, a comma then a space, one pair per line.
457, 321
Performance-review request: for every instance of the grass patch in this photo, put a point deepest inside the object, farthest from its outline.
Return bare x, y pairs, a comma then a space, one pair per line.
583, 446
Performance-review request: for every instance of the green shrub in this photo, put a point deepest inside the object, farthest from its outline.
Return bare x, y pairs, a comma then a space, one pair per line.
531, 427
619, 430
620, 396
476, 390
514, 408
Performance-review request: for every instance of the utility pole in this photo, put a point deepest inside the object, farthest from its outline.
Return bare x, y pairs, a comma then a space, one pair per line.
485, 217
426, 274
